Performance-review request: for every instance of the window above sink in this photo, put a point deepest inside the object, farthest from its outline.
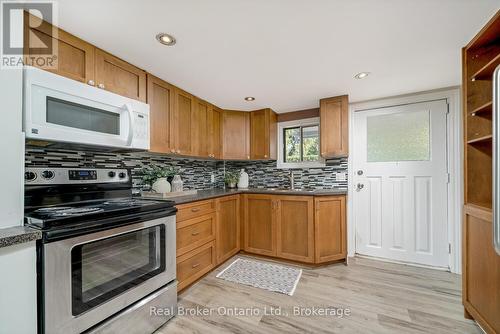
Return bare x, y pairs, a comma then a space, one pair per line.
299, 144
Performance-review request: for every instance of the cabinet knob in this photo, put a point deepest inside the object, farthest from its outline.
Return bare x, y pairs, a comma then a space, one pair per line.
248, 157
178, 151
101, 85
265, 155
91, 82
172, 151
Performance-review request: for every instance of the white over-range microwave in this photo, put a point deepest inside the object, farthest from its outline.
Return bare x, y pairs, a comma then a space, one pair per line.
67, 112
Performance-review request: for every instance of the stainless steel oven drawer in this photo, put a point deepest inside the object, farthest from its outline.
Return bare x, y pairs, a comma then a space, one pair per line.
145, 316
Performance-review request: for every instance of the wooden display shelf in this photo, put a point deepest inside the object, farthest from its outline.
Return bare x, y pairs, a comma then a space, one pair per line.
479, 140
483, 109
486, 72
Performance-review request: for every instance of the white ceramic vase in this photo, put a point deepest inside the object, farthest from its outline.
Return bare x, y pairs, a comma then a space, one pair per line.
177, 184
161, 185
243, 181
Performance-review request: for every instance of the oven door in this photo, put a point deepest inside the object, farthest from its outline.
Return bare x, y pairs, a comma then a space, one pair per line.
91, 277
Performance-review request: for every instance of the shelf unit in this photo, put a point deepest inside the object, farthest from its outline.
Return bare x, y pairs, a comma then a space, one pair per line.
481, 265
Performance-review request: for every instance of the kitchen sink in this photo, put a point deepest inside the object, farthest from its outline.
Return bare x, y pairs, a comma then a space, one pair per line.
288, 190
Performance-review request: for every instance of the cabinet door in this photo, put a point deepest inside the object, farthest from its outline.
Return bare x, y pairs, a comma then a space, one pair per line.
235, 135
161, 101
260, 224
295, 228
228, 227
481, 266
75, 57
214, 132
183, 115
199, 135
119, 77
334, 126
330, 229
263, 134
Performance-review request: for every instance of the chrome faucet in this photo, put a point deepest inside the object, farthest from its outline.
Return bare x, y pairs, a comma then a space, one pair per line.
292, 180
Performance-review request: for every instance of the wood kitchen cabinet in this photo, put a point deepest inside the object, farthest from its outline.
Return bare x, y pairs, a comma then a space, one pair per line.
199, 123
228, 227
160, 97
118, 76
260, 224
295, 228
214, 132
184, 108
235, 135
75, 57
330, 228
263, 128
334, 126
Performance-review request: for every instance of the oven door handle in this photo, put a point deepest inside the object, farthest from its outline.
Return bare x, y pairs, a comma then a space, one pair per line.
131, 121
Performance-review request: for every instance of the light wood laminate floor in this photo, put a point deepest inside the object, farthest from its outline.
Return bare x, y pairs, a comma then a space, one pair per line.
382, 298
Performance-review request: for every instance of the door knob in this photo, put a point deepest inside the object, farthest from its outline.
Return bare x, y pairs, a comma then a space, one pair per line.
359, 186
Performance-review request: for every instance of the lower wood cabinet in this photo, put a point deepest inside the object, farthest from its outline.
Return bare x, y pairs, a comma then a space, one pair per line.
195, 232
295, 228
481, 269
330, 229
195, 264
308, 229
260, 224
228, 227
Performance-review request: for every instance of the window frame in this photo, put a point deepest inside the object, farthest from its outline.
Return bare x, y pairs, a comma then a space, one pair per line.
300, 123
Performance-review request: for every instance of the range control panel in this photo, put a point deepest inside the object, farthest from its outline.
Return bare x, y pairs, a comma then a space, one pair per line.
52, 176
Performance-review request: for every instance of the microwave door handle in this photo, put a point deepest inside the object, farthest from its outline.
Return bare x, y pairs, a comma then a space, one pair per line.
496, 165
130, 113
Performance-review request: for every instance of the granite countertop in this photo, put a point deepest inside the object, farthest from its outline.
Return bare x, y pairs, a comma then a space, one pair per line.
213, 193
17, 235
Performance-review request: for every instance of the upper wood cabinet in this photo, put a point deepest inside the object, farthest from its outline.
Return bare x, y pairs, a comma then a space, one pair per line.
260, 224
228, 227
184, 108
334, 126
199, 124
161, 101
330, 228
263, 128
295, 228
75, 57
118, 76
214, 132
235, 135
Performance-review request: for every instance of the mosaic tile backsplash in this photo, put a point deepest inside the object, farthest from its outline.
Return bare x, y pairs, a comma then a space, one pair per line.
196, 173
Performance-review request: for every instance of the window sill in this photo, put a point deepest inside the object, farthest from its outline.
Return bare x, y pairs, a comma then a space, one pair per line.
299, 165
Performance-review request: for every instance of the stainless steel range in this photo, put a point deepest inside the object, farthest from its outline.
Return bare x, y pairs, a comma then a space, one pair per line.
105, 258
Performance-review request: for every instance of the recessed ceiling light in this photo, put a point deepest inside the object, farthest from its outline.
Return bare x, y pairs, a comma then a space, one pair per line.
249, 98
362, 75
166, 39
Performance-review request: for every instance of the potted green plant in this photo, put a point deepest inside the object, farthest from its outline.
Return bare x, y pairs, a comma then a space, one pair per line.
231, 178
156, 177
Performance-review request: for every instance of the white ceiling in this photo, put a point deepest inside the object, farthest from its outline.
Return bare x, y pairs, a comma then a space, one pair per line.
286, 53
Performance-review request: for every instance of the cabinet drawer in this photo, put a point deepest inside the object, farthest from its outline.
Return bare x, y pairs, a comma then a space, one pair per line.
195, 264
195, 232
196, 209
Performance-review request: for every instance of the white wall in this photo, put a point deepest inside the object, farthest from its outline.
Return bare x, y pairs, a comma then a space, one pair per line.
18, 289
11, 148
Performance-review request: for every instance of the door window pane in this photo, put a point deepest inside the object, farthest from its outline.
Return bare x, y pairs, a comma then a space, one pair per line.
82, 117
398, 137
105, 268
310, 143
292, 144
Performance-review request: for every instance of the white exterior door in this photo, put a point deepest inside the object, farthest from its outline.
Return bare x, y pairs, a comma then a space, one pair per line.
400, 167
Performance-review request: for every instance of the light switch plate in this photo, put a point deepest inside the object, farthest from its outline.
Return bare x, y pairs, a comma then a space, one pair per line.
212, 178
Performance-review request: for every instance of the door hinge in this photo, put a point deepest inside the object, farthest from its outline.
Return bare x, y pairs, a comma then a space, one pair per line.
449, 248
448, 177
447, 108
